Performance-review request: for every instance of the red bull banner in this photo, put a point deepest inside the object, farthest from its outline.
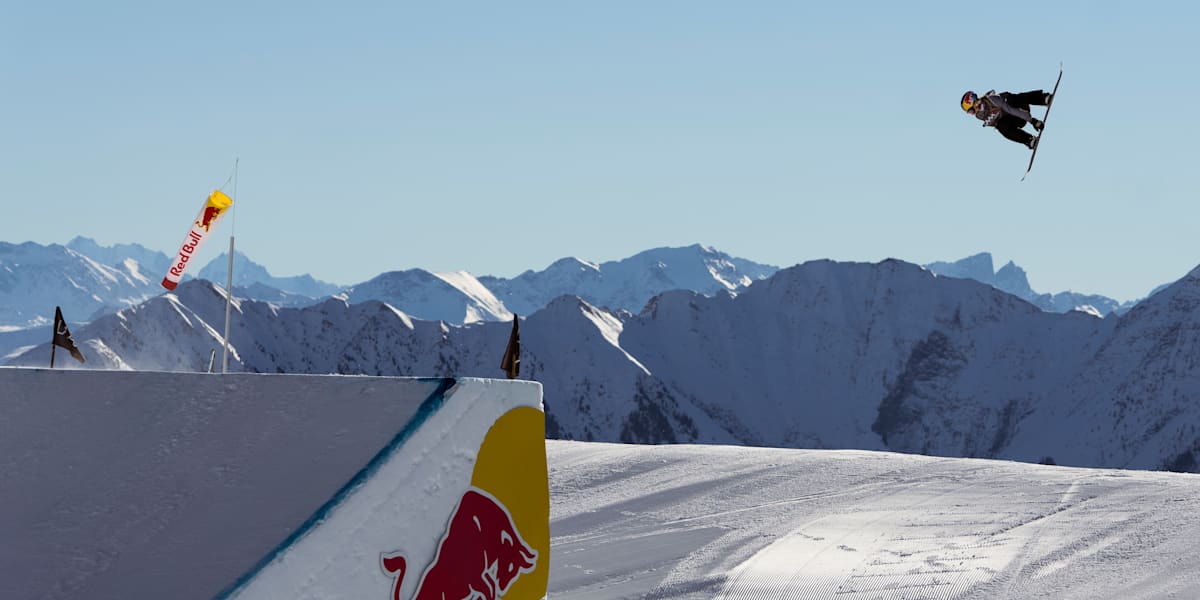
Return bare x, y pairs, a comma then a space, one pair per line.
215, 206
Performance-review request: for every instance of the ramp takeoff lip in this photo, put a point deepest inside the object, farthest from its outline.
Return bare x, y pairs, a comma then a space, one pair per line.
427, 408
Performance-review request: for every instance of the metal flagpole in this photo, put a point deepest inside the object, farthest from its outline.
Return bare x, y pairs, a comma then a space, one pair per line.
229, 277
228, 301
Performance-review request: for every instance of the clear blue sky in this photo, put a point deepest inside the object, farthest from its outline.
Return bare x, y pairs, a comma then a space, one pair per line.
496, 137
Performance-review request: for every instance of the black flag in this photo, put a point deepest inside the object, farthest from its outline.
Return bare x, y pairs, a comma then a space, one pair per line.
62, 337
511, 363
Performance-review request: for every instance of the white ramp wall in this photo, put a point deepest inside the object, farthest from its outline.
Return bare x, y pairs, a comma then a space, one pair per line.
178, 485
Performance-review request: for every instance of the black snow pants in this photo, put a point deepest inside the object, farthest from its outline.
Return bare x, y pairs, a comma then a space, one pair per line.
1010, 126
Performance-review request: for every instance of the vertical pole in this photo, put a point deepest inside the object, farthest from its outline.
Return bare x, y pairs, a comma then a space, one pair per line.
228, 302
229, 276
52, 346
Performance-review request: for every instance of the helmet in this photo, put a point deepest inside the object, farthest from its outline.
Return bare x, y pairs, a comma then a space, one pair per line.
969, 100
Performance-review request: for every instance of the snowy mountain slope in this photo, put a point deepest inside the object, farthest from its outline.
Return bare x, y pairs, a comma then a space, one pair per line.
854, 356
629, 283
702, 522
1139, 389
247, 273
266, 293
17, 340
455, 298
36, 278
821, 355
1012, 279
865, 356
605, 393
152, 262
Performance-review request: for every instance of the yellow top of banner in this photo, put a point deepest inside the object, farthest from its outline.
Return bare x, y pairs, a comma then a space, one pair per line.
219, 200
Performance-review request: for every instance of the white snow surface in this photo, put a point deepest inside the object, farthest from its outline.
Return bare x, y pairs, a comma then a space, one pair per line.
701, 522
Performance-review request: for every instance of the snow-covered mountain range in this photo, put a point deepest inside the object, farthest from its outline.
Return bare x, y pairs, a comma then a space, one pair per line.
35, 278
820, 355
40, 275
88, 280
629, 283
455, 297
152, 262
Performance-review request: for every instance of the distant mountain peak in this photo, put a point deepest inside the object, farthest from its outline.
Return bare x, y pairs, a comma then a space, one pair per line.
572, 263
977, 266
1012, 279
246, 272
453, 296
627, 284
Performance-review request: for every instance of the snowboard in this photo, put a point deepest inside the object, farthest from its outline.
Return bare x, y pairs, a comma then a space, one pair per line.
1038, 140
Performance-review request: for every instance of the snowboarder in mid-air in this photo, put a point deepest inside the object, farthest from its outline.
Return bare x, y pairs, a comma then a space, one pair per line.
1008, 112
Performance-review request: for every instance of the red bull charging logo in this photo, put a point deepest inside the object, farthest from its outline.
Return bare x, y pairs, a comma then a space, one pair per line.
207, 216
497, 540
479, 557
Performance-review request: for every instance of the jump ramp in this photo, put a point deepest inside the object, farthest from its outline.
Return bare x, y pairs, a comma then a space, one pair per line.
245, 486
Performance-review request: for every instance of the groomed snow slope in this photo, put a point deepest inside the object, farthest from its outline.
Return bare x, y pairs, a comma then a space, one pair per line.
733, 523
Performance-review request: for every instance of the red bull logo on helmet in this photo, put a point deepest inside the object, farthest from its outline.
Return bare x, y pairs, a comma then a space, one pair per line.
479, 557
496, 543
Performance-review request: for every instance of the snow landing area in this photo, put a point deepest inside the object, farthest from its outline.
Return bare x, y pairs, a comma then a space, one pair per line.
735, 523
